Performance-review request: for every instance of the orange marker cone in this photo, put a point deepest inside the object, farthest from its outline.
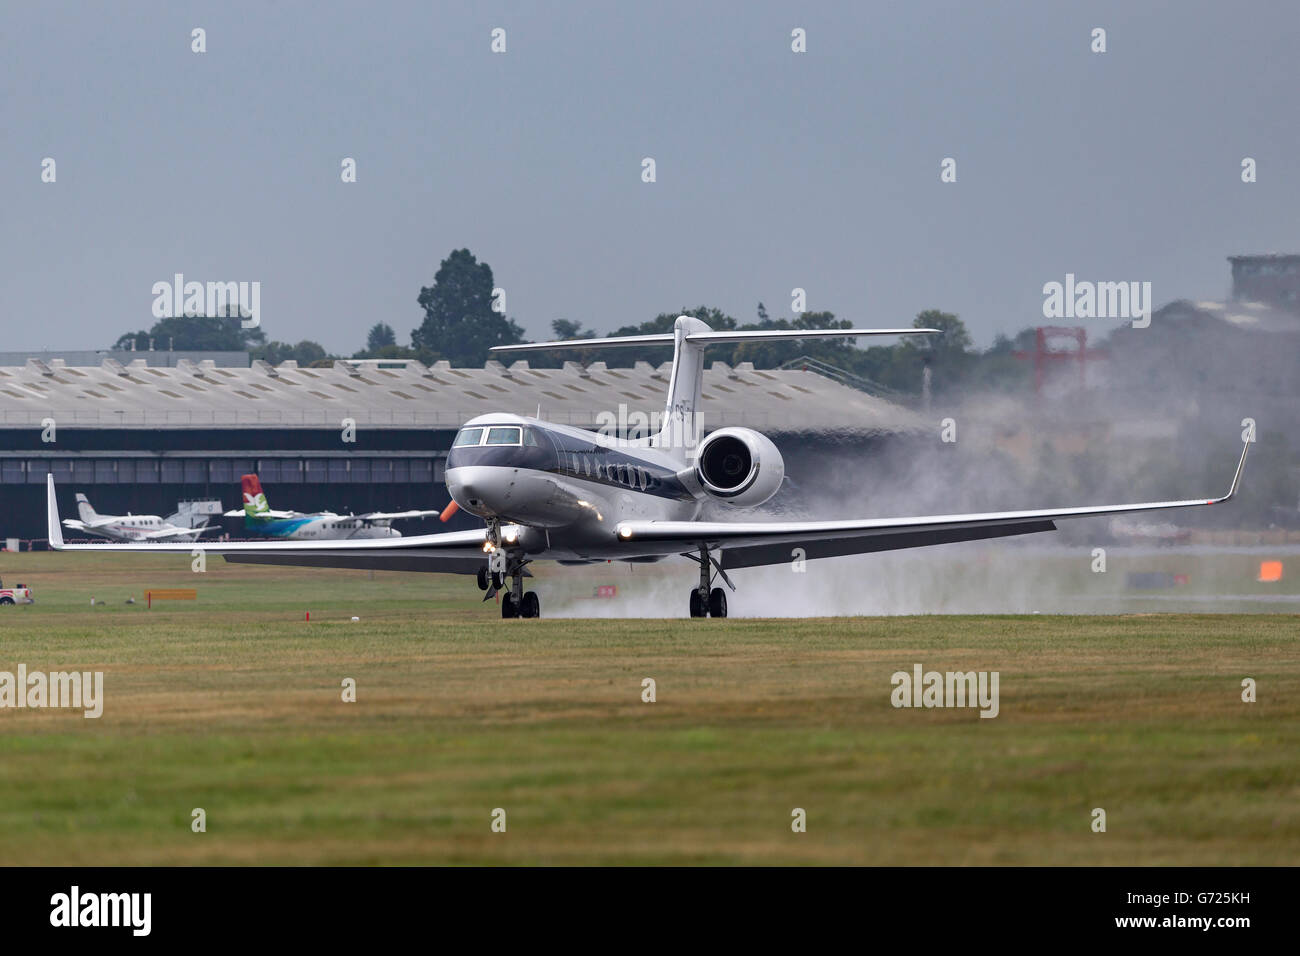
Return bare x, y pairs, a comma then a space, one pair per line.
1270, 571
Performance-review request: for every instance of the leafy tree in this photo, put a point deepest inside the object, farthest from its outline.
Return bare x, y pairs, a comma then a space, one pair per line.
1002, 345
955, 341
308, 352
949, 355
394, 352
838, 352
459, 324
380, 336
564, 329
661, 323
304, 353
194, 334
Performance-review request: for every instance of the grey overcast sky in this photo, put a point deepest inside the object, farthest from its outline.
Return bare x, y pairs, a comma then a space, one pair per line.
775, 170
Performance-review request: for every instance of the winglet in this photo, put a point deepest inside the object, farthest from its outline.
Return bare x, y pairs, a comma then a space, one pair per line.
1236, 479
52, 509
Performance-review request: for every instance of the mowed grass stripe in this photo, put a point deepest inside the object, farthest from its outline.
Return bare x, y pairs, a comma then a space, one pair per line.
236, 708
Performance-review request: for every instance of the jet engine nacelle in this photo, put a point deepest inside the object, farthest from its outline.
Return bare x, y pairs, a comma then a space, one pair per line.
739, 466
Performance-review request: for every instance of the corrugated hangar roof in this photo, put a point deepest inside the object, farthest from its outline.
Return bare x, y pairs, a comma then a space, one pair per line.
408, 394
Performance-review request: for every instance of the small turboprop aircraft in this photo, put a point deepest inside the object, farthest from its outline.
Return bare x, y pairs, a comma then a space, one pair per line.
554, 492
129, 527
261, 521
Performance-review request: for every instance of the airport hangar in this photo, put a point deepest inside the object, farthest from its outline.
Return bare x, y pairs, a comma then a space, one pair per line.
142, 435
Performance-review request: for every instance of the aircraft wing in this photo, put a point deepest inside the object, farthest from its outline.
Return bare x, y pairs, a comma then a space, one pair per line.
395, 515
98, 522
453, 552
241, 513
749, 544
162, 534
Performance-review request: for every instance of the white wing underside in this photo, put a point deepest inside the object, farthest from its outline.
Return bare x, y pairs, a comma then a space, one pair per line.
394, 515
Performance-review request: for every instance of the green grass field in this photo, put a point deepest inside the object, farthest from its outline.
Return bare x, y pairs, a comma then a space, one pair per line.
233, 703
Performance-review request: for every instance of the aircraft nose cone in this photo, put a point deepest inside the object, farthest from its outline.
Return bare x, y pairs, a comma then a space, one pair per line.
469, 489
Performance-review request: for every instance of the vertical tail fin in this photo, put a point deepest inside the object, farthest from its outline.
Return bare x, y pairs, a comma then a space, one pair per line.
679, 431
681, 428
254, 498
84, 509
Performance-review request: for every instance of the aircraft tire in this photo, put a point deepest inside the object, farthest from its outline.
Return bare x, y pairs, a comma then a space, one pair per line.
717, 603
697, 606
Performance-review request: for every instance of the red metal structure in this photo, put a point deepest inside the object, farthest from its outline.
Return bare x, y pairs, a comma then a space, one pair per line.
1043, 355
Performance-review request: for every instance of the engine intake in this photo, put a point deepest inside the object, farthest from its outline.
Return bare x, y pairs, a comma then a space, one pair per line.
739, 466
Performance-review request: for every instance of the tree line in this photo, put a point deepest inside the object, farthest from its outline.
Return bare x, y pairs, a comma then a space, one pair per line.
460, 324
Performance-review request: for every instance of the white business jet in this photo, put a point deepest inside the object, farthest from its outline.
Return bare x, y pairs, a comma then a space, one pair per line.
554, 492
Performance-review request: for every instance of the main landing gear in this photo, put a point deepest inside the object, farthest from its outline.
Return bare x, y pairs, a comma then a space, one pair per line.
706, 600
502, 564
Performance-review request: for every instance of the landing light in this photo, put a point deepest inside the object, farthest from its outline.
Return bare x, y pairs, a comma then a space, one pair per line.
625, 533
511, 535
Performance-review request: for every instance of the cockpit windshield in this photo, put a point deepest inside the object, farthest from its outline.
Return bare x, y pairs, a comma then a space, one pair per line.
504, 435
496, 435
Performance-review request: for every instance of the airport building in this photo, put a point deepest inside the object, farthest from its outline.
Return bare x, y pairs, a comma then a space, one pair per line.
359, 436
1270, 279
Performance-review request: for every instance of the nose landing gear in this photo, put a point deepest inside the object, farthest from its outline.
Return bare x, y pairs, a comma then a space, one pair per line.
489, 579
706, 600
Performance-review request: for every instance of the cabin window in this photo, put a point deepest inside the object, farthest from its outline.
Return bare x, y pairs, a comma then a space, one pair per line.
467, 436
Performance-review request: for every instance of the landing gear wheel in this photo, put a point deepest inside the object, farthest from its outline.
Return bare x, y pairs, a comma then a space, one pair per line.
498, 579
532, 607
697, 605
483, 578
508, 609
717, 603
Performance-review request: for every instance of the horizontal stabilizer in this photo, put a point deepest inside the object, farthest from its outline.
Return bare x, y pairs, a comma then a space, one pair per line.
708, 338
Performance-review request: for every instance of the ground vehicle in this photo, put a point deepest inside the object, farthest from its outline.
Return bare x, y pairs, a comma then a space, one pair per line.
16, 595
